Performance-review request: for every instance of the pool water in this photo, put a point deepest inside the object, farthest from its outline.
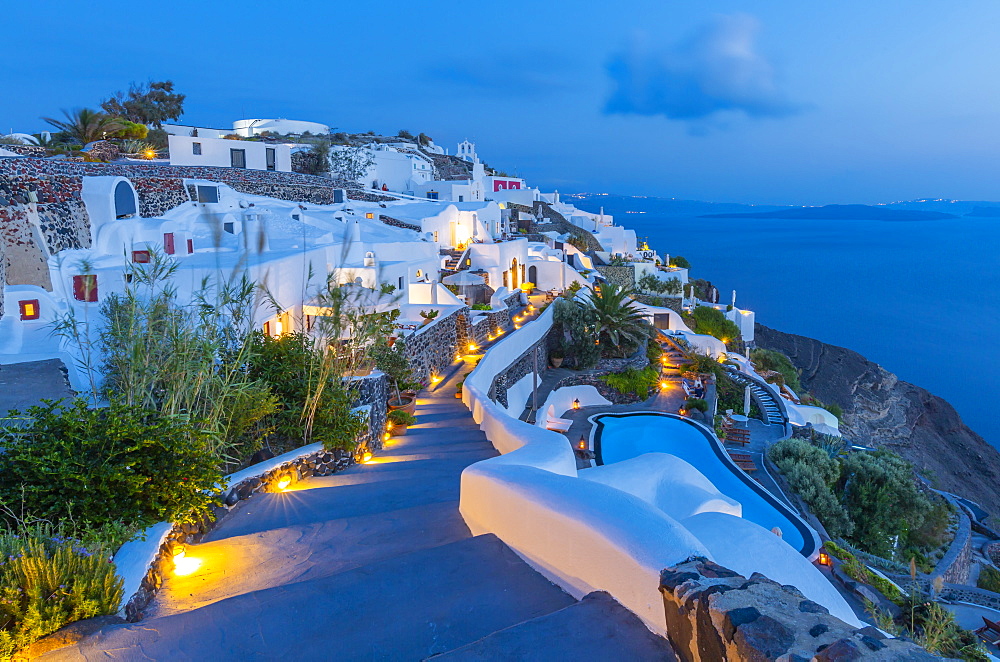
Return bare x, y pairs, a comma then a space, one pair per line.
621, 437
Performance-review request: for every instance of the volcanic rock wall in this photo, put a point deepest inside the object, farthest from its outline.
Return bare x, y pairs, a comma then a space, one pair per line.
884, 411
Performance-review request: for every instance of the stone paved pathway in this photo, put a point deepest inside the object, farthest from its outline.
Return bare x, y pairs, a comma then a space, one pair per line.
374, 563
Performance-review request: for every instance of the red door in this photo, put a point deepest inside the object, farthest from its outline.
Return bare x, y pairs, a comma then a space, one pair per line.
168, 243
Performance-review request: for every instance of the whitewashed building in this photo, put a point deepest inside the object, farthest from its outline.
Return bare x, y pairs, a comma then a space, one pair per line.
253, 155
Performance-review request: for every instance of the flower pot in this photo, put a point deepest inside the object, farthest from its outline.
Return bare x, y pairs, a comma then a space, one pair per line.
409, 405
458, 394
556, 362
399, 430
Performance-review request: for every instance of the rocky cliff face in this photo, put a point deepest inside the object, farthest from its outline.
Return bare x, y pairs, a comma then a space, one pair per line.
882, 410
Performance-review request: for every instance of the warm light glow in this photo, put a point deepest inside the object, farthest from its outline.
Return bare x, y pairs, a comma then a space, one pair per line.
725, 340
472, 347
722, 357
824, 558
184, 564
583, 444
29, 310
576, 403
150, 153
284, 483
435, 379
367, 457
517, 326
278, 328
387, 435
682, 411
664, 360
664, 384
499, 331
369, 215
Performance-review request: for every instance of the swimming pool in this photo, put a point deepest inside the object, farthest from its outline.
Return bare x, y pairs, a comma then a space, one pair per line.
620, 437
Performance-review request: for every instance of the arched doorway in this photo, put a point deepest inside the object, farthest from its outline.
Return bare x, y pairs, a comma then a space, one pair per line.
124, 200
514, 274
533, 275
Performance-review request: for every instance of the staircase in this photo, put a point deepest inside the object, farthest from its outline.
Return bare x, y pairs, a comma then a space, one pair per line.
772, 410
455, 260
374, 563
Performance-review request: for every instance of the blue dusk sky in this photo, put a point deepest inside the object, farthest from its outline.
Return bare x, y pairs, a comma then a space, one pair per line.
767, 102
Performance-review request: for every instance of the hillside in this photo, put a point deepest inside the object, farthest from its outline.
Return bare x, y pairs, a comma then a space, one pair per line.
841, 213
882, 410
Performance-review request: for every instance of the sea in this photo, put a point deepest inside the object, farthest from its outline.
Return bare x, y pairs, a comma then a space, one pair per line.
920, 298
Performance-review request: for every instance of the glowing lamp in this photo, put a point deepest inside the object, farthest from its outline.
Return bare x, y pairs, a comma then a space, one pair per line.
664, 360
150, 154
367, 457
284, 482
278, 328
682, 411
369, 215
184, 564
583, 443
472, 347
824, 558
387, 435
435, 379
664, 384
576, 403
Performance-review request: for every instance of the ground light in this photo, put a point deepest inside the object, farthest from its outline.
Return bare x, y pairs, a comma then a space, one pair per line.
576, 403
664, 385
824, 558
184, 564
284, 482
583, 443
366, 458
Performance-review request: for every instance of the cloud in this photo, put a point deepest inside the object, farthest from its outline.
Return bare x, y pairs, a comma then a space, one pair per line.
716, 69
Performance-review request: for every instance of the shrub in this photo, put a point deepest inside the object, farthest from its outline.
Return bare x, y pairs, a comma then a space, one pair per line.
650, 283
989, 579
400, 417
810, 472
696, 403
712, 322
46, 583
768, 359
290, 364
482, 306
679, 262
96, 466
638, 382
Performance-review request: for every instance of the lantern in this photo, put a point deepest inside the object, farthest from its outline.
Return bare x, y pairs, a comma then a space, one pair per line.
583, 443
824, 558
576, 403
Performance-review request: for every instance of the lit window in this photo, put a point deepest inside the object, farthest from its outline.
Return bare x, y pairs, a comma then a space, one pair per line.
369, 215
29, 309
140, 257
420, 273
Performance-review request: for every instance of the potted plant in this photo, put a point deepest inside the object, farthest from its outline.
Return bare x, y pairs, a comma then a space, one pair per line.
429, 315
393, 362
458, 389
400, 419
556, 357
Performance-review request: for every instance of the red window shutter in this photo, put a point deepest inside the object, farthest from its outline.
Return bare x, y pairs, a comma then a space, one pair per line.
190, 243
267, 328
140, 257
29, 309
85, 288
168, 243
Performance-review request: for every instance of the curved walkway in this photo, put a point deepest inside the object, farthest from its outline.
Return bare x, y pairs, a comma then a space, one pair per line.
374, 563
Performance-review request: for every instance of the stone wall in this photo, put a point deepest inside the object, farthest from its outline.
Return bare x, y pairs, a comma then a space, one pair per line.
432, 349
550, 220
396, 223
373, 392
158, 195
955, 564
623, 276
713, 613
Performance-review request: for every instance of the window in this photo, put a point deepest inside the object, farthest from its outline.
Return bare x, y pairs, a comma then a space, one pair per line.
168, 243
124, 200
420, 274
140, 257
238, 158
190, 246
369, 215
196, 148
208, 194
269, 157
400, 288
29, 309
432, 195
229, 227
461, 198
85, 288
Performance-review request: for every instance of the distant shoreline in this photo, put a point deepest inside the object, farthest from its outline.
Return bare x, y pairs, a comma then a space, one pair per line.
840, 213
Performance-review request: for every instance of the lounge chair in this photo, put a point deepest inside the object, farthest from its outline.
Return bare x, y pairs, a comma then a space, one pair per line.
554, 423
990, 632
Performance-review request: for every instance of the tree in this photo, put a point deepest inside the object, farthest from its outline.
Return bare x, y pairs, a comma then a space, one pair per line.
573, 328
149, 103
679, 262
650, 283
620, 325
351, 163
424, 139
84, 125
404, 134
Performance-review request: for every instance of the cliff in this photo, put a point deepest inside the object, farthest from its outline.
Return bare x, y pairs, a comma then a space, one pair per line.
882, 410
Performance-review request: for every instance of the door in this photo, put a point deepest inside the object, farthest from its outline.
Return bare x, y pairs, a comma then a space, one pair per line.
533, 275
269, 157
238, 158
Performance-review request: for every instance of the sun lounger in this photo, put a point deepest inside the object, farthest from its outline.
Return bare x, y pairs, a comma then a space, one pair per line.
748, 467
741, 457
990, 632
555, 423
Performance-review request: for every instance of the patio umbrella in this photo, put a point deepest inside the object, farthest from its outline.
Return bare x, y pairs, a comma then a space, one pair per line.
746, 401
823, 428
463, 278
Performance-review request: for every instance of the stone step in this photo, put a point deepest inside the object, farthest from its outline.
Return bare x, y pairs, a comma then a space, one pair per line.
407, 608
596, 628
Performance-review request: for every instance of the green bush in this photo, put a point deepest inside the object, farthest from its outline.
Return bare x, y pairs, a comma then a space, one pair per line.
46, 583
98, 466
482, 306
680, 262
768, 359
292, 366
696, 403
638, 382
712, 322
989, 579
810, 472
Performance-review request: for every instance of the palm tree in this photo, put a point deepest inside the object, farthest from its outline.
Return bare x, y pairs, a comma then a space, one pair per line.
85, 125
621, 326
